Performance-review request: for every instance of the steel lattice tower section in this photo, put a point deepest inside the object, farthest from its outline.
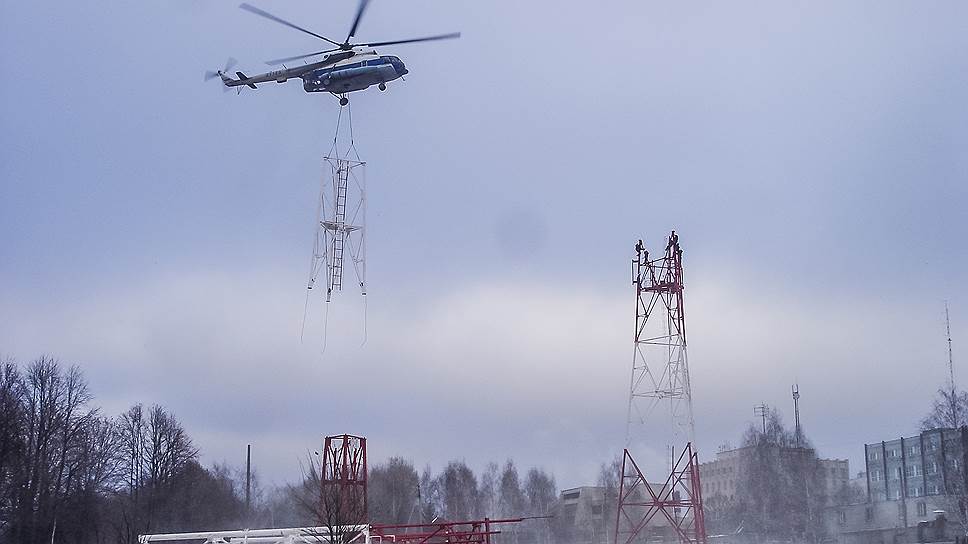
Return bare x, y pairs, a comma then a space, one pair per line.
340, 231
660, 370
344, 479
660, 378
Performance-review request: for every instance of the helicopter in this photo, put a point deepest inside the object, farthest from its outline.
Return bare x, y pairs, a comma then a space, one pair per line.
343, 69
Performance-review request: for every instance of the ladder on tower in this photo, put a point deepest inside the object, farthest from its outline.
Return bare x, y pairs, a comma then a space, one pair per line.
339, 233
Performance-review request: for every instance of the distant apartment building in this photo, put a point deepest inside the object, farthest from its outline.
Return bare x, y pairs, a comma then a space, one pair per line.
584, 518
919, 466
909, 483
582, 514
720, 477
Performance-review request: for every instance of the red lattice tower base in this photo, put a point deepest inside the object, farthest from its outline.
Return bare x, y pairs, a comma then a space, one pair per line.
673, 510
343, 478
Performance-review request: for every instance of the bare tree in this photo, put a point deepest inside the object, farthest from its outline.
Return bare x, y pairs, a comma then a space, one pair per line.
781, 492
511, 498
431, 497
54, 404
511, 501
949, 410
459, 487
487, 503
154, 449
12, 446
169, 447
70, 475
541, 494
393, 492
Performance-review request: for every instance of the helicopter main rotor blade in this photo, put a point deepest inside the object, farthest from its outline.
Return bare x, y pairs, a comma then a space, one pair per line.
415, 40
356, 20
262, 13
297, 57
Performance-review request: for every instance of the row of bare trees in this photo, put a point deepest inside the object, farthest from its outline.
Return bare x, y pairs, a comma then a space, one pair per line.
399, 495
68, 473
71, 474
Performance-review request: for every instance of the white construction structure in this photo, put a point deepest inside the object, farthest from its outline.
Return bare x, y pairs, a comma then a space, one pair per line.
294, 535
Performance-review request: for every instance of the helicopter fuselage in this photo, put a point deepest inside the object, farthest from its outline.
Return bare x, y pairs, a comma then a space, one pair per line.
343, 69
354, 74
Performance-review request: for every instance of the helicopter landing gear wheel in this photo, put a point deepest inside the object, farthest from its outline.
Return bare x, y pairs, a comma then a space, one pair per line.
383, 86
343, 101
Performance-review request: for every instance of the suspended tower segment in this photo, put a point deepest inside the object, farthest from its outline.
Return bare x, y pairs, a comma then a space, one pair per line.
340, 235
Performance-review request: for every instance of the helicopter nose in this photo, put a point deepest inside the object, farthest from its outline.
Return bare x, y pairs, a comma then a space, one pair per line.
400, 68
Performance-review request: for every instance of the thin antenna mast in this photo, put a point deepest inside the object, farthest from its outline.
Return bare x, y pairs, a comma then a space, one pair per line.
796, 410
951, 363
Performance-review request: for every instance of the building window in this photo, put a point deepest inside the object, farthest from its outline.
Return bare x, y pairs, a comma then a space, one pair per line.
873, 455
572, 495
954, 464
913, 470
934, 467
915, 449
897, 494
936, 490
869, 514
897, 473
875, 475
843, 517
922, 509
916, 491
895, 453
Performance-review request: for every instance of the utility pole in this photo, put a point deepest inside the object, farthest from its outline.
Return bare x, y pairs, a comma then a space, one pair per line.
248, 476
761, 410
796, 409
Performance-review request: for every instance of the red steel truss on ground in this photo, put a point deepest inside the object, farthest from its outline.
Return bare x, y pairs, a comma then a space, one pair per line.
675, 507
457, 532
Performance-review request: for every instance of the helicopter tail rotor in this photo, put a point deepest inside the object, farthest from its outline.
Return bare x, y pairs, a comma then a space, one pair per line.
210, 75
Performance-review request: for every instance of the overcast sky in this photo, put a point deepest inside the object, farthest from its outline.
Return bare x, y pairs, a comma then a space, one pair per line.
811, 155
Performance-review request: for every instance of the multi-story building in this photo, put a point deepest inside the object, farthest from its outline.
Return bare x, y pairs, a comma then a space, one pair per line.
911, 482
720, 477
583, 517
919, 466
582, 514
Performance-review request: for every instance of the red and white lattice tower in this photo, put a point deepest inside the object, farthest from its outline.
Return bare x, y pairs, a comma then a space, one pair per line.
660, 371
660, 419
671, 510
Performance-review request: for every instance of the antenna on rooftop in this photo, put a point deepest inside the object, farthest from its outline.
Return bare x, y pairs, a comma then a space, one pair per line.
796, 410
761, 410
